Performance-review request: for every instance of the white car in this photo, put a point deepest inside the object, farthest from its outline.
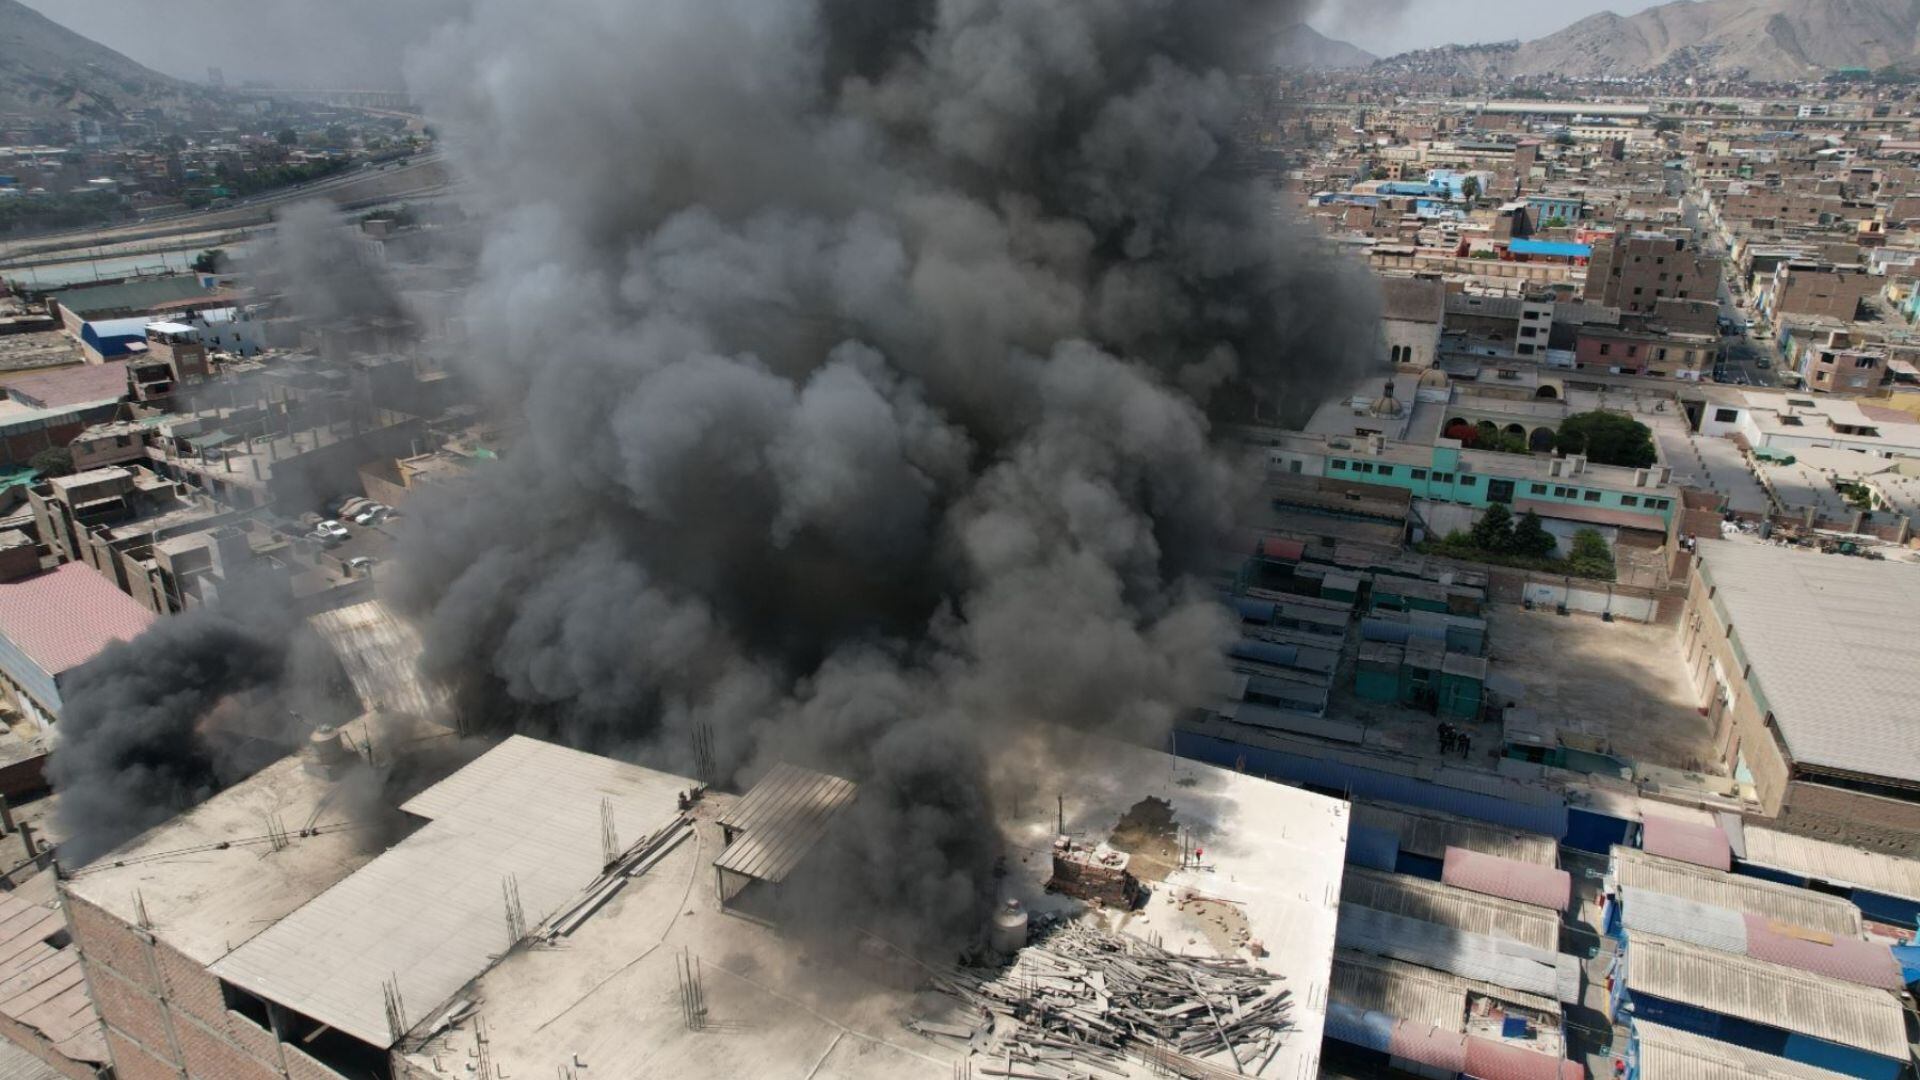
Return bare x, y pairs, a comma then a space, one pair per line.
332, 530
360, 564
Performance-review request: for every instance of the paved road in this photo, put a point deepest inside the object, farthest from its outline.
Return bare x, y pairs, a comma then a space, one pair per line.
418, 176
1751, 359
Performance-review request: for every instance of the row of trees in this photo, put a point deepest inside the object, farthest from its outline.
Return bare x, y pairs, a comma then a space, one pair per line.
1501, 538
1605, 438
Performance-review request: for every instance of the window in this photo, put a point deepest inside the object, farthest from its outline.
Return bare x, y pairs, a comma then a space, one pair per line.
1469, 481
1606, 348
1629, 500
1386, 470
1591, 496
1365, 466
1531, 315
1656, 504
1536, 489
1562, 492
1725, 416
1633, 351
1336, 463
1443, 478
1419, 474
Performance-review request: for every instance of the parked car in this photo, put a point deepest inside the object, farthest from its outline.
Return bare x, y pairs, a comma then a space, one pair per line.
333, 529
360, 564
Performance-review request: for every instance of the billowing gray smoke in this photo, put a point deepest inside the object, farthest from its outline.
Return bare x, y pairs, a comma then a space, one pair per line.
867, 350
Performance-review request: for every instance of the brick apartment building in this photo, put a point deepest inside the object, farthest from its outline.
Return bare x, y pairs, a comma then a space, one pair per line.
1634, 274
1802, 288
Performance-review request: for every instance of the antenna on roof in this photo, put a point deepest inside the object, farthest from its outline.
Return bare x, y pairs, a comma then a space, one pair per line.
140, 911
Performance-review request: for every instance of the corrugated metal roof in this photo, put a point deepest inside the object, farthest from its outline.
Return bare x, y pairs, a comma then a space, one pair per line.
1411, 992
1472, 956
1850, 959
41, 986
1435, 902
1514, 880
148, 294
426, 914
1671, 1054
1430, 833
1747, 895
1839, 1012
63, 618
1701, 845
1648, 912
1356, 1026
1836, 863
1398, 989
1444, 1050
1830, 642
780, 820
1490, 1060
17, 1064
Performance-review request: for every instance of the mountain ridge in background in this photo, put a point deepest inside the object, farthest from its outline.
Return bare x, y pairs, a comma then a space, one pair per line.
1299, 47
48, 72
1786, 40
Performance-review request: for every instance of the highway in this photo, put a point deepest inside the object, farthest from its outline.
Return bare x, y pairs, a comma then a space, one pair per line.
418, 177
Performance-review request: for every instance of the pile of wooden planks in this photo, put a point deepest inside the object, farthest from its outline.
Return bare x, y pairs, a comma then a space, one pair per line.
1082, 999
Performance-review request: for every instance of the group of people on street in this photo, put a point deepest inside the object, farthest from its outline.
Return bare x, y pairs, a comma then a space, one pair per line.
1452, 740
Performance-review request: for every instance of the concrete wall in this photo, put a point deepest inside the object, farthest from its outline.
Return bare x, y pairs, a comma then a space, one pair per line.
1741, 732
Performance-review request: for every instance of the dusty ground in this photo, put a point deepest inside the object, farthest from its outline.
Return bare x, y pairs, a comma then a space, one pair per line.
1627, 676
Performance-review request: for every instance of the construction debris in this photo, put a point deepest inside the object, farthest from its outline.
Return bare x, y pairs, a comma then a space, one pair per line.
1080, 1000
1096, 873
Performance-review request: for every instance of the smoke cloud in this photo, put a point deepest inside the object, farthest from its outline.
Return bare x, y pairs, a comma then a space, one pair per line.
871, 355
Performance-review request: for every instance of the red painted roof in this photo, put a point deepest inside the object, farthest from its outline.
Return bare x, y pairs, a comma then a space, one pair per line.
1428, 1044
1687, 841
1491, 1060
78, 384
1276, 547
1847, 959
63, 618
1491, 875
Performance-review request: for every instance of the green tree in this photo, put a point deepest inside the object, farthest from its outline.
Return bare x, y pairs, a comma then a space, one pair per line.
1555, 223
1494, 531
338, 135
1666, 124
1564, 138
1591, 557
1530, 538
53, 461
1607, 439
210, 261
287, 137
1470, 188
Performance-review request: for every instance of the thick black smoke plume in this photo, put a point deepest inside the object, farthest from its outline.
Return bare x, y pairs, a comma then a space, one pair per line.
868, 351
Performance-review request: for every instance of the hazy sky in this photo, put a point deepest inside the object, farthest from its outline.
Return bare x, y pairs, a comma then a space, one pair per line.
358, 43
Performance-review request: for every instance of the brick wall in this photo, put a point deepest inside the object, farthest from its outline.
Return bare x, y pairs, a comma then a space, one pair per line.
302, 1067
166, 1015
104, 939
1852, 817
210, 1056
129, 1010
133, 1062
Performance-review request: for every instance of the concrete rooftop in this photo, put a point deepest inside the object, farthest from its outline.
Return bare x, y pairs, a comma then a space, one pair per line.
604, 1001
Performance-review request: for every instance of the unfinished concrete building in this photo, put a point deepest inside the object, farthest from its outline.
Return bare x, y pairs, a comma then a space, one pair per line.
548, 910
